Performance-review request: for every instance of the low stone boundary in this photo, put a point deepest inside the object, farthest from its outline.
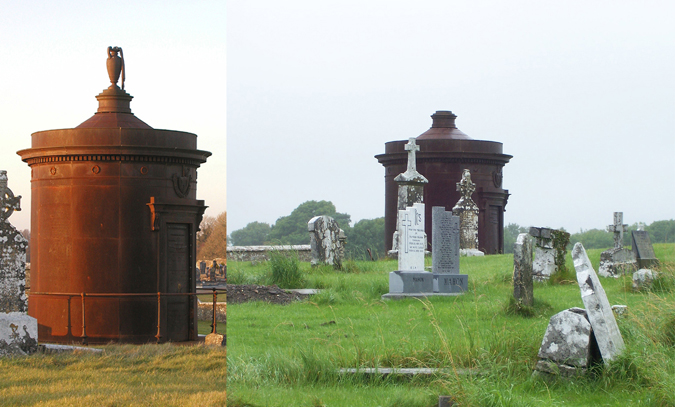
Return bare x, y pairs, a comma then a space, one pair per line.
205, 311
259, 254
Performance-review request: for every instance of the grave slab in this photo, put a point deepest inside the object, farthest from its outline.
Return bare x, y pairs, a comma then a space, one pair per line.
643, 249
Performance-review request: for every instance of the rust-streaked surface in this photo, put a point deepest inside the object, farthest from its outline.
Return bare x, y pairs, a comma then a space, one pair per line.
444, 153
106, 199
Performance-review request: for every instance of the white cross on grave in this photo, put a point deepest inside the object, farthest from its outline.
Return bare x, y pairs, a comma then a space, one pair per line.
412, 147
618, 228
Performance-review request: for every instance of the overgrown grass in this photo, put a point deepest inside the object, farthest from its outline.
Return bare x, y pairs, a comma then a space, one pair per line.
124, 375
289, 355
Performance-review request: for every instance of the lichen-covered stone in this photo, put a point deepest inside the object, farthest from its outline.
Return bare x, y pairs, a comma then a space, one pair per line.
567, 339
550, 248
617, 261
467, 210
324, 233
599, 312
522, 270
18, 334
642, 279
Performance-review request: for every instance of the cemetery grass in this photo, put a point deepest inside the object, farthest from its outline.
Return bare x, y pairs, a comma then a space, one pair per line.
289, 355
123, 375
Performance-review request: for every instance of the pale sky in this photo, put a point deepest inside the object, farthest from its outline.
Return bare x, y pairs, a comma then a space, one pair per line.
53, 65
581, 93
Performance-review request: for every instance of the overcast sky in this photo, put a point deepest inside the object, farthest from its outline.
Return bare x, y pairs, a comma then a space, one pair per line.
53, 64
581, 93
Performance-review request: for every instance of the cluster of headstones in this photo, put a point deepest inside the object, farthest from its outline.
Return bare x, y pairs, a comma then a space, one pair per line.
18, 331
411, 279
211, 273
618, 260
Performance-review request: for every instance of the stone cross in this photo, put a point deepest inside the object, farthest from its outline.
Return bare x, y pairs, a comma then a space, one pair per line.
8, 202
465, 186
618, 228
412, 148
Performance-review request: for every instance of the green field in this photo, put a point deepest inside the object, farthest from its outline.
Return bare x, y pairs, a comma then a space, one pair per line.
288, 355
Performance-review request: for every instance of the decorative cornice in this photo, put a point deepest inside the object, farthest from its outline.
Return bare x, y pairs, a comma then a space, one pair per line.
113, 157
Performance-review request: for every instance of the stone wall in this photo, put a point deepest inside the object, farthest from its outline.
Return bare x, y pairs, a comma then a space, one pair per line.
259, 254
205, 311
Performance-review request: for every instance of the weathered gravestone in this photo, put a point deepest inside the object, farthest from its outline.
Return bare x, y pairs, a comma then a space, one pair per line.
643, 278
618, 260
324, 239
643, 249
18, 331
569, 347
550, 249
522, 270
410, 278
410, 189
445, 252
467, 210
599, 311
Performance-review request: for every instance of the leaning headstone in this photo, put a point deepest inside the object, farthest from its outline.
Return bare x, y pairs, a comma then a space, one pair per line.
643, 249
18, 331
522, 270
324, 239
467, 210
410, 188
569, 347
550, 248
445, 252
410, 278
599, 311
618, 260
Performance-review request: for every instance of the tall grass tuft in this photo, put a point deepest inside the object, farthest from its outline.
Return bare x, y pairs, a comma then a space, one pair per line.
285, 269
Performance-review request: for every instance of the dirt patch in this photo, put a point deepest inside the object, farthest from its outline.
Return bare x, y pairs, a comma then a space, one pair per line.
236, 294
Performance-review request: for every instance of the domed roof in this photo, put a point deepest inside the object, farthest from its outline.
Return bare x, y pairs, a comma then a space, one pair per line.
443, 127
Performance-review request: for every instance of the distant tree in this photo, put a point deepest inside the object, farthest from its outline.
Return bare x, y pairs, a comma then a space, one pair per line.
253, 234
205, 230
593, 239
366, 234
215, 245
511, 232
662, 231
292, 229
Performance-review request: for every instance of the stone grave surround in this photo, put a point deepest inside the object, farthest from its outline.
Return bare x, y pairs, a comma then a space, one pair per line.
410, 188
550, 249
324, 239
18, 331
618, 260
467, 210
523, 290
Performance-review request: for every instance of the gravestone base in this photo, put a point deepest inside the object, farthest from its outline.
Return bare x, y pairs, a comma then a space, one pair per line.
471, 253
410, 282
450, 283
419, 284
214, 339
18, 334
617, 261
547, 369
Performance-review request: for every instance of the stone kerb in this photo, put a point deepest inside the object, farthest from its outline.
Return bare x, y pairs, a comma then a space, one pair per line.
599, 311
324, 240
522, 270
18, 331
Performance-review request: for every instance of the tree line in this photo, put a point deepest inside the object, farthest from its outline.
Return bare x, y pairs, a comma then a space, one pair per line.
661, 231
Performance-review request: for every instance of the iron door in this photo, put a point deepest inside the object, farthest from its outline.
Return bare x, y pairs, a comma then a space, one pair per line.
178, 281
